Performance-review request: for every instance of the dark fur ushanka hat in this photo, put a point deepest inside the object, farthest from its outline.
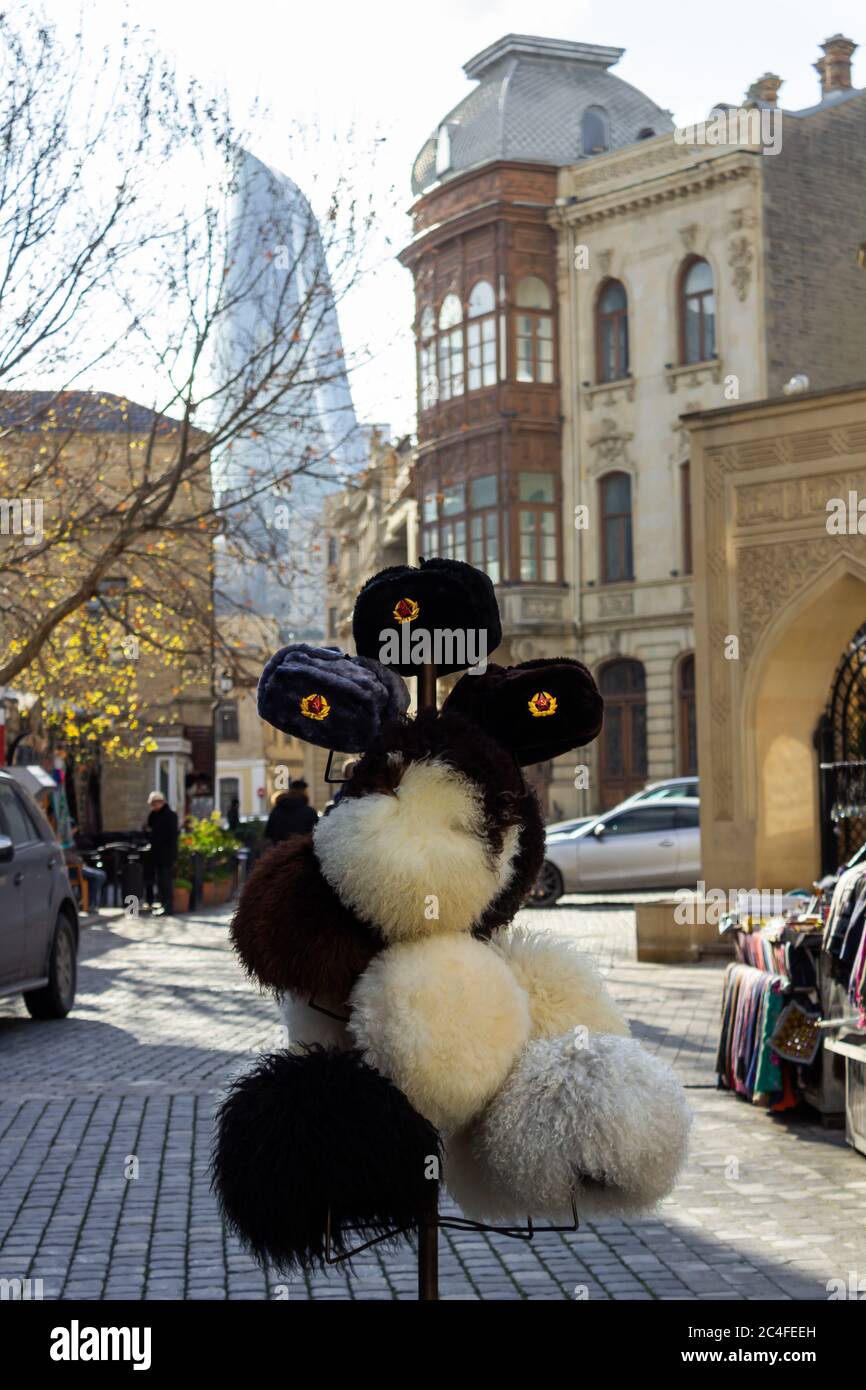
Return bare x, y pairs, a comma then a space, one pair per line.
291, 931
507, 799
538, 709
322, 696
441, 595
308, 1134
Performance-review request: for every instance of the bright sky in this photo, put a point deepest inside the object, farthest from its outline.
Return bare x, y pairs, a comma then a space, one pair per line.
392, 68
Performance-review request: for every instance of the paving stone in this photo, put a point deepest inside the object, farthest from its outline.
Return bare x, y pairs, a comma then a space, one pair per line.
165, 1018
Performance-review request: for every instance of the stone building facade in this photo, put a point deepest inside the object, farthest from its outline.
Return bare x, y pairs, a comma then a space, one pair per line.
780, 620
693, 271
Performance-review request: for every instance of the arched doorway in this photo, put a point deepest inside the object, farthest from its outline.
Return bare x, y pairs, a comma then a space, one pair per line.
623, 736
841, 743
811, 640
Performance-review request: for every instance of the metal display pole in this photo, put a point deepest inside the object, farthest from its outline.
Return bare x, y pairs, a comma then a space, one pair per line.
428, 1227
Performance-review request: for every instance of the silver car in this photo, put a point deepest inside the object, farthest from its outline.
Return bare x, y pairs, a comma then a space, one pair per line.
653, 791
643, 844
38, 916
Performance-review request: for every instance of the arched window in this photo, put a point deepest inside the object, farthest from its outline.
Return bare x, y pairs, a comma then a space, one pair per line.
623, 738
450, 348
593, 131
481, 337
443, 149
428, 386
616, 540
534, 331
687, 720
697, 312
612, 332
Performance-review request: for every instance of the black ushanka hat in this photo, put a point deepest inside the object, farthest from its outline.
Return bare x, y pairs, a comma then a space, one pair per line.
440, 596
322, 696
538, 709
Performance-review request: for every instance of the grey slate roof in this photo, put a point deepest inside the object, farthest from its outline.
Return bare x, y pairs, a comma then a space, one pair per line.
531, 95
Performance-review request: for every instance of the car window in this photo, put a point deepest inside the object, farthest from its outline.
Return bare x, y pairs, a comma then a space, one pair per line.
688, 817
17, 823
41, 828
642, 820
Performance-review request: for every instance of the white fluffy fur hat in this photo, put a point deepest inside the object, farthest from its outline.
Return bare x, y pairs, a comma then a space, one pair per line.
593, 1117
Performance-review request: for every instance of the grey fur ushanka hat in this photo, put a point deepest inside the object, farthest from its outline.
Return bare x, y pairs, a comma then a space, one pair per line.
320, 695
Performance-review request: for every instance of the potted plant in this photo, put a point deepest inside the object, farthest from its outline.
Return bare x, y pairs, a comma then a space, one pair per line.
181, 892
216, 847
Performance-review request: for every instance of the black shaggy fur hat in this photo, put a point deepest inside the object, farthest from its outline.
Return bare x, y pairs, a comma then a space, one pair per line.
441, 595
508, 800
324, 697
538, 709
292, 932
306, 1133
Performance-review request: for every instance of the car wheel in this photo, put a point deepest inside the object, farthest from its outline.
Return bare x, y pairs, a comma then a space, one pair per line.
56, 998
548, 887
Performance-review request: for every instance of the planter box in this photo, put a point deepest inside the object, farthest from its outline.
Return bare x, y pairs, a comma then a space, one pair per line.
181, 898
215, 891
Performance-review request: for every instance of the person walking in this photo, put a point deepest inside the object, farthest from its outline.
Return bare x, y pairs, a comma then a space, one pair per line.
233, 814
291, 814
162, 829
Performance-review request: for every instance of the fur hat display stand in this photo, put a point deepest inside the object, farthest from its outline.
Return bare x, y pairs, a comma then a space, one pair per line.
427, 1030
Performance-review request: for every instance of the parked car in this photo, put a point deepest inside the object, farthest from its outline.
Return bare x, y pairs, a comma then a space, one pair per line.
653, 791
662, 791
38, 916
640, 844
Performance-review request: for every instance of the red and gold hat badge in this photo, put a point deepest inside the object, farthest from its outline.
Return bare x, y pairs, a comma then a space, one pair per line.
315, 707
405, 610
542, 703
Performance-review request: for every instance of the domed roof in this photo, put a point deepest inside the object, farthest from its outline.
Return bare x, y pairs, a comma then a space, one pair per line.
529, 105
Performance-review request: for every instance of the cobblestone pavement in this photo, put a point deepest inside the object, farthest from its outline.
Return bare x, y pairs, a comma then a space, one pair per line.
106, 1121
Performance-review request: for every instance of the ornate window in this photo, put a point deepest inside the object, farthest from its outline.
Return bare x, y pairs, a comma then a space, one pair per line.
616, 539
450, 348
227, 722
538, 528
443, 149
611, 333
463, 522
428, 385
623, 737
688, 724
481, 337
534, 331
484, 525
593, 131
697, 311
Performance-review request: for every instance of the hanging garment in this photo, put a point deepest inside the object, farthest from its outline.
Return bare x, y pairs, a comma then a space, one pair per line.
842, 904
752, 1000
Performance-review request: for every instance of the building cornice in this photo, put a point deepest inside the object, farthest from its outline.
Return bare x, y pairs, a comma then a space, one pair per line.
622, 184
